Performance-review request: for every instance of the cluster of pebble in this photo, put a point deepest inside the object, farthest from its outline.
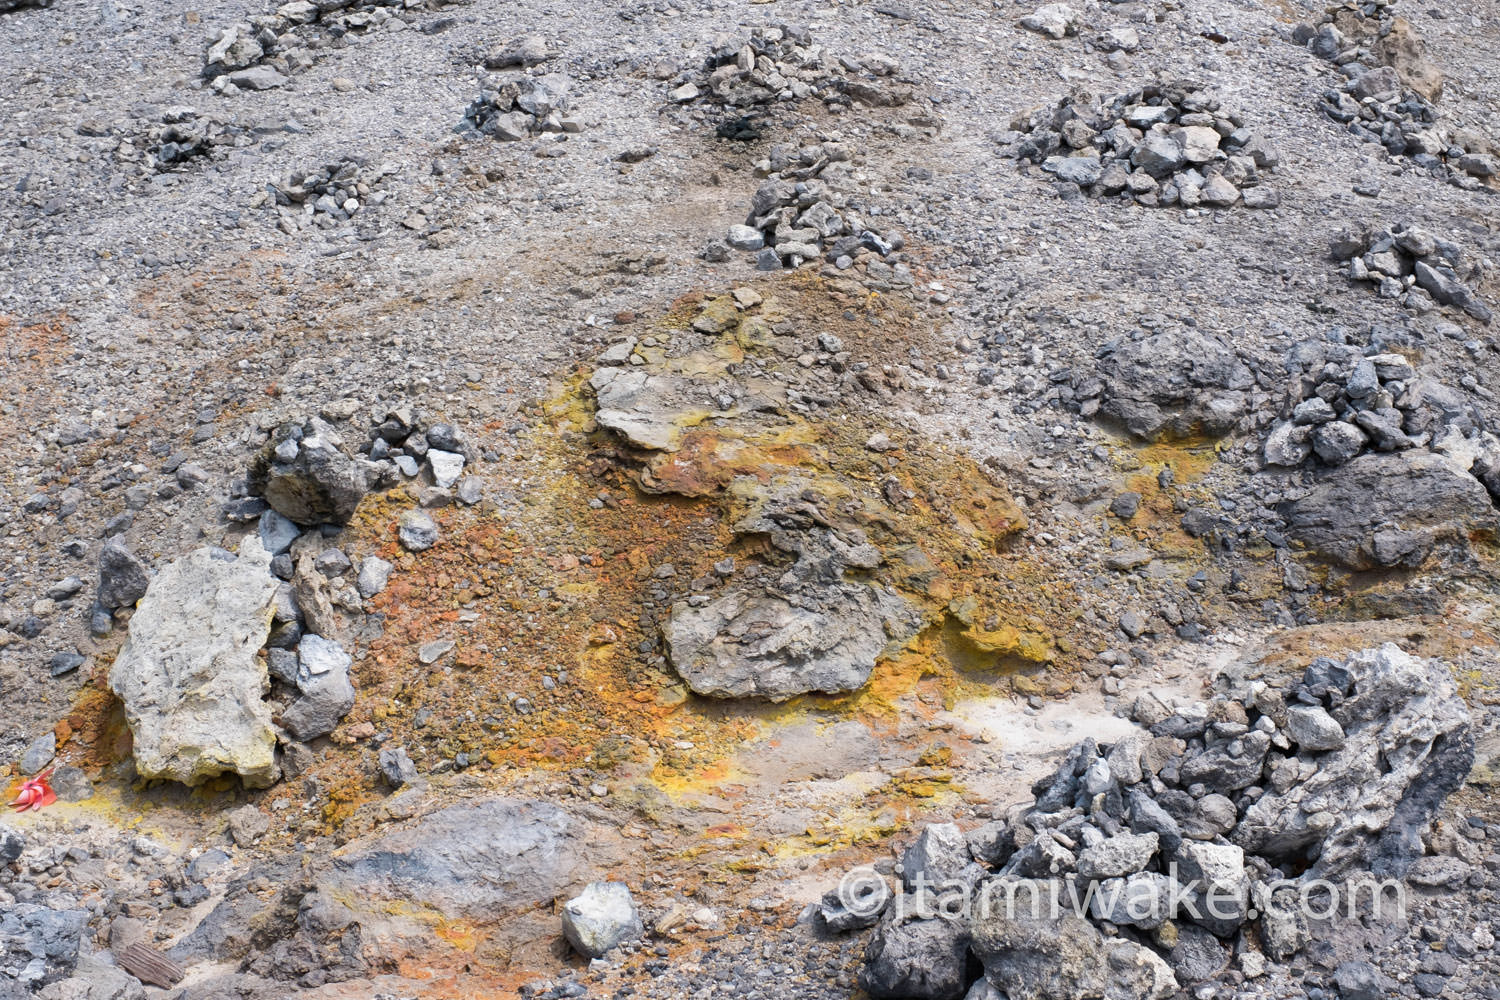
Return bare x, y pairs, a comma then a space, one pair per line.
1165, 144
1184, 847
781, 63
801, 214
1411, 265
514, 109
262, 53
326, 196
1390, 92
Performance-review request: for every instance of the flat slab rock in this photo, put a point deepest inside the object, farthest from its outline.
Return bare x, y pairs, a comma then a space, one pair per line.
472, 860
754, 643
188, 674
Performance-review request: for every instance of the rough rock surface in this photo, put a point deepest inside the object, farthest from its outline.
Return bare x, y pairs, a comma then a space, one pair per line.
747, 643
305, 476
1389, 510
466, 860
188, 675
1173, 385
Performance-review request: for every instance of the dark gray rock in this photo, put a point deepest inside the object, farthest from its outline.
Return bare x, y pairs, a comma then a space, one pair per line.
1197, 956
1388, 510
11, 844
396, 767
917, 959
122, 577
304, 476
1178, 385
939, 855
42, 942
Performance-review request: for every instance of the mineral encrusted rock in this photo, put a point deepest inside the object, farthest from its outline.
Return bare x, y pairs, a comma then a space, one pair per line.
1406, 746
188, 674
749, 643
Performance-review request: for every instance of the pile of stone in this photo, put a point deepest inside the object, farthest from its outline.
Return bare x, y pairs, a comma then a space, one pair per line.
514, 109
263, 52
768, 65
1405, 461
329, 195
1411, 265
1390, 92
801, 214
212, 631
305, 475
1182, 848
6, 6
183, 136
1165, 144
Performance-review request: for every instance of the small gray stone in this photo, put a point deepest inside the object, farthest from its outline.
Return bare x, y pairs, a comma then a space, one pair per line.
1338, 442
446, 467
122, 577
247, 824
470, 490
374, 573
332, 563
11, 844
1313, 728
258, 78
1081, 170
39, 754
1118, 856
745, 238
1316, 410
65, 663
396, 767
602, 917
418, 532
277, 533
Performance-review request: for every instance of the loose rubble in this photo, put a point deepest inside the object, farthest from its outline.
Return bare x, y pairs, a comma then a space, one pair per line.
753, 70
265, 51
1165, 144
1391, 91
326, 196
517, 108
1244, 802
801, 214
1412, 266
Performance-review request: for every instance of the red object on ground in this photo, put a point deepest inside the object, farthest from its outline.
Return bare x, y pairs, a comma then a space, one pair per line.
34, 793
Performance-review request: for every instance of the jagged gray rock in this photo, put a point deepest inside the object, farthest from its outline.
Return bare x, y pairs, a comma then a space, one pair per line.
1408, 745
754, 643
921, 958
304, 476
